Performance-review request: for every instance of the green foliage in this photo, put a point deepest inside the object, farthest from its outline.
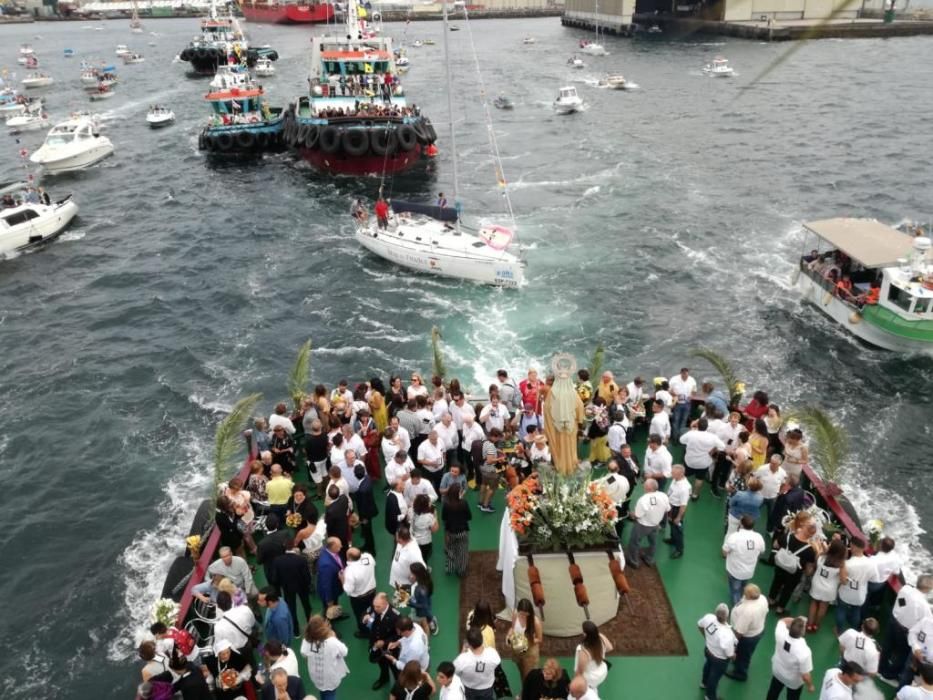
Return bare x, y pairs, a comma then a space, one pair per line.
721, 365
298, 377
437, 356
596, 362
828, 443
227, 440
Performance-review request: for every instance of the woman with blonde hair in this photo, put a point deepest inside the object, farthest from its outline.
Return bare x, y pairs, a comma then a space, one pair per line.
242, 505
793, 558
326, 655
549, 681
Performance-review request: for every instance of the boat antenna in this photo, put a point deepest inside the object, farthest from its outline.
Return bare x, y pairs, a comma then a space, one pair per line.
490, 131
450, 110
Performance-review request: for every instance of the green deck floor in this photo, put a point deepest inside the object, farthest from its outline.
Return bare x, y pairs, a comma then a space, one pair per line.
695, 584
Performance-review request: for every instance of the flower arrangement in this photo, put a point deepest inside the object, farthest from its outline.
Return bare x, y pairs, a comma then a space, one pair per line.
165, 611
517, 642
400, 597
194, 545
293, 520
551, 510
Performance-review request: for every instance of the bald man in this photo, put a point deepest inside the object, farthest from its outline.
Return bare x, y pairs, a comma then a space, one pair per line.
580, 691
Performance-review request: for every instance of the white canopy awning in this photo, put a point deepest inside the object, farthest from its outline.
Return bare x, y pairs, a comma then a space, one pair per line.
867, 241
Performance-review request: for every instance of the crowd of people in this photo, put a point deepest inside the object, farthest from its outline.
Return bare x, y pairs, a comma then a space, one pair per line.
404, 458
369, 109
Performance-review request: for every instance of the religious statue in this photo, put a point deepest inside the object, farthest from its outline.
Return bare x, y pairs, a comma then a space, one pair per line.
563, 415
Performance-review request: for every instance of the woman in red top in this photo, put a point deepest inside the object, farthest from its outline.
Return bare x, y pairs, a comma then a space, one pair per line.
529, 389
754, 409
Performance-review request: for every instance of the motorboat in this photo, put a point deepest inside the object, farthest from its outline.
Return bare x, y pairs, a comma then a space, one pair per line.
25, 221
264, 68
69, 53
12, 103
872, 280
402, 61
568, 101
503, 102
133, 58
103, 92
37, 80
418, 43
159, 116
576, 62
33, 118
719, 68
454, 28
592, 48
616, 81
429, 42
74, 144
26, 52
122, 50
528, 40
89, 74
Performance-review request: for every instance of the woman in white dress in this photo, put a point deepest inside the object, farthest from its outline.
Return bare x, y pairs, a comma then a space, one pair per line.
830, 572
795, 452
326, 655
589, 660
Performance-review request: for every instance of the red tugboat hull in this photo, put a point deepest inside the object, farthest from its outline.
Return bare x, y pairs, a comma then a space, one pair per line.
288, 14
368, 164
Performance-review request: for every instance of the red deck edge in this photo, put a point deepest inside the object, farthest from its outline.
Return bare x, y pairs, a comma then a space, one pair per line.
207, 552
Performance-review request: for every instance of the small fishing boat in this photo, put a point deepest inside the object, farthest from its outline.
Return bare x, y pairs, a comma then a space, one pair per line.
576, 62
159, 116
69, 53
107, 76
122, 50
37, 80
26, 221
568, 101
12, 103
103, 92
719, 68
32, 119
528, 40
454, 28
264, 68
418, 43
503, 102
74, 144
26, 52
429, 42
133, 58
615, 82
241, 121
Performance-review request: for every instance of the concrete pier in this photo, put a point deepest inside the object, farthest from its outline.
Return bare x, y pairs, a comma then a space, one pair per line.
788, 30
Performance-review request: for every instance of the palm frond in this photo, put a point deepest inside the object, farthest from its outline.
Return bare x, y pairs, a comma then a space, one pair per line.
298, 377
596, 362
721, 365
437, 356
828, 443
227, 439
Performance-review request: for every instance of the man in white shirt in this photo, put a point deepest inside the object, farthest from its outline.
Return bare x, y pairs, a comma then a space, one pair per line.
887, 563
852, 593
650, 510
859, 646
792, 662
615, 438
508, 391
279, 418
472, 432
448, 435
658, 461
450, 685
404, 436
682, 387
352, 441
617, 487
412, 645
431, 459
494, 415
910, 607
719, 650
398, 468
359, 583
728, 432
771, 476
234, 622
579, 690
417, 485
922, 691
748, 622
679, 496
477, 666
407, 552
660, 421
348, 470
636, 391
698, 456
839, 683
741, 550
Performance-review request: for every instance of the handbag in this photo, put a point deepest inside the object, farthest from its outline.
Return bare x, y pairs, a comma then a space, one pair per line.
789, 561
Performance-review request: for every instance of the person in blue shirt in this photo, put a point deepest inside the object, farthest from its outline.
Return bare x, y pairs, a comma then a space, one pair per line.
747, 502
715, 397
278, 623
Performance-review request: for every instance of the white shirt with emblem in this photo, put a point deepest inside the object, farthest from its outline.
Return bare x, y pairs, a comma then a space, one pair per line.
405, 556
861, 649
920, 638
477, 670
616, 486
792, 657
661, 425
859, 571
833, 688
742, 550
720, 640
911, 606
651, 509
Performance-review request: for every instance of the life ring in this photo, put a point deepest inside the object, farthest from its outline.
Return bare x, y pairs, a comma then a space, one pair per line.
355, 141
262, 139
273, 55
245, 139
201, 54
407, 137
330, 139
224, 142
314, 134
384, 142
422, 132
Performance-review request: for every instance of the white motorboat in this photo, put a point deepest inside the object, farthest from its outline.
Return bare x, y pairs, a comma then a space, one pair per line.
133, 58
159, 116
26, 222
576, 62
122, 50
528, 40
31, 119
11, 103
719, 68
103, 92
568, 101
402, 61
90, 76
37, 80
592, 48
615, 82
26, 54
418, 43
264, 68
72, 145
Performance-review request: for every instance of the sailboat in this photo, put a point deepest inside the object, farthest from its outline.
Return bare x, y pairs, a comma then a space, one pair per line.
432, 239
594, 48
135, 25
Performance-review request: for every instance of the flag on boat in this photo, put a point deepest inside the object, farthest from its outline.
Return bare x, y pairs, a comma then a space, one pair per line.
361, 13
236, 105
367, 67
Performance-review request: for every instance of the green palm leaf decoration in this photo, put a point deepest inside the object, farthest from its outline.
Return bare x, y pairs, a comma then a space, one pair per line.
298, 377
596, 362
721, 365
828, 443
437, 356
228, 439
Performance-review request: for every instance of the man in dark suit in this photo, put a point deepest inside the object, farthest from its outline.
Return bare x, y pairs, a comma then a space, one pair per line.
381, 620
396, 507
294, 580
337, 517
792, 500
365, 508
272, 545
280, 681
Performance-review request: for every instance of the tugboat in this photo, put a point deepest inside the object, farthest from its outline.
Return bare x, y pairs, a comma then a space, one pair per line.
274, 12
356, 120
221, 41
241, 121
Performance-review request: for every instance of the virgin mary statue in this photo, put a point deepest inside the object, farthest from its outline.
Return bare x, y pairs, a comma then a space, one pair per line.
563, 415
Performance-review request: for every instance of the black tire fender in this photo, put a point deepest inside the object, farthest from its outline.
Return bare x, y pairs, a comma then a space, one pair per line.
330, 139
407, 137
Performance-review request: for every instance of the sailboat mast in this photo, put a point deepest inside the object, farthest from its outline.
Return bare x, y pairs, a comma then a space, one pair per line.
450, 103
596, 19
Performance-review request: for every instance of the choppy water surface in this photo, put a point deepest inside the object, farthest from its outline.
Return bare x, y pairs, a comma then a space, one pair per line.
656, 221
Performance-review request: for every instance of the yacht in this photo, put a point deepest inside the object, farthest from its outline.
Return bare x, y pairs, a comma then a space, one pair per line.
159, 116
31, 119
74, 144
568, 101
616, 82
264, 68
37, 80
719, 68
133, 58
24, 224
576, 62
122, 50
